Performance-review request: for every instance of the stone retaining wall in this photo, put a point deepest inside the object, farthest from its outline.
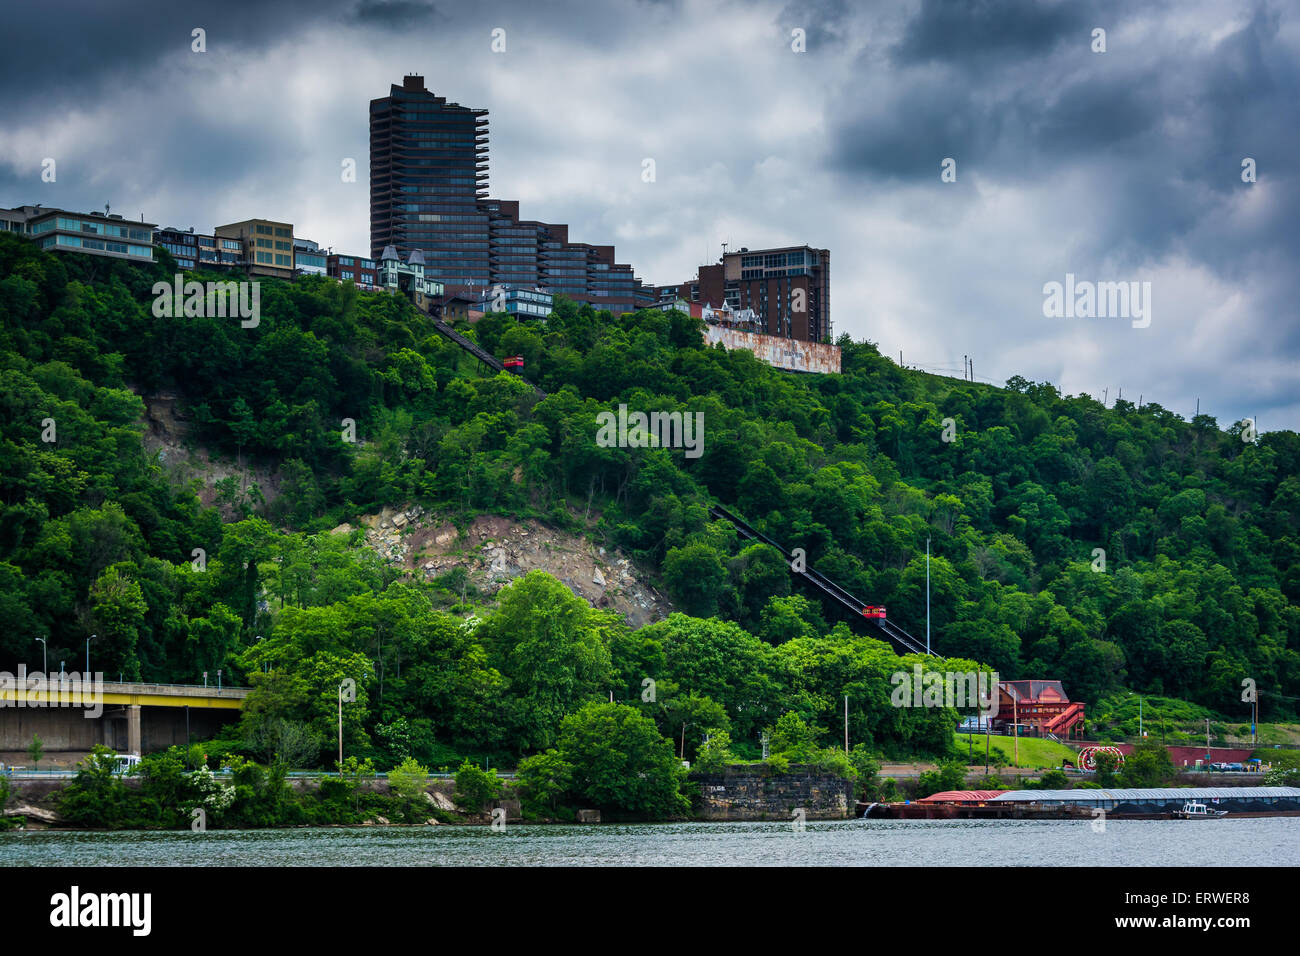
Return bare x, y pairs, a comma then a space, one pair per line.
747, 793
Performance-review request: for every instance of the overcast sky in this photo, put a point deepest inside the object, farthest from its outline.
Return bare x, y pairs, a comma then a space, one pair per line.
1123, 165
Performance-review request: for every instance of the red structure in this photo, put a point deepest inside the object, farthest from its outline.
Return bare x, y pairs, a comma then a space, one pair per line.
969, 798
1039, 705
874, 611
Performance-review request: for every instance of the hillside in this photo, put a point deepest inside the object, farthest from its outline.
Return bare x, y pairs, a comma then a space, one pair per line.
97, 535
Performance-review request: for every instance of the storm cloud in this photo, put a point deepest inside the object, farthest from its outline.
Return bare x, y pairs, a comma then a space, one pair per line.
1123, 165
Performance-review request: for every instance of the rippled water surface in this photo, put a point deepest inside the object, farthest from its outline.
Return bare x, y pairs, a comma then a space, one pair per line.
1249, 842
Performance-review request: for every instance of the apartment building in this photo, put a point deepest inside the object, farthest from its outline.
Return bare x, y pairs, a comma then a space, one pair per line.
788, 288
91, 233
266, 246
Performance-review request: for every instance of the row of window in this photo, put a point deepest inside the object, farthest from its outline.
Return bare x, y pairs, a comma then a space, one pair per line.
412, 184
101, 245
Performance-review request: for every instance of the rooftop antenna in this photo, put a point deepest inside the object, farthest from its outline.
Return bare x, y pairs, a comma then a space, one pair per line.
106, 208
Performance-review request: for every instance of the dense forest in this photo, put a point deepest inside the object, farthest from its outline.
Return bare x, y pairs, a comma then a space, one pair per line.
1113, 548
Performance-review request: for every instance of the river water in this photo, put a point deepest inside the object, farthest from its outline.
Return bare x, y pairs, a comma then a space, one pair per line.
1264, 841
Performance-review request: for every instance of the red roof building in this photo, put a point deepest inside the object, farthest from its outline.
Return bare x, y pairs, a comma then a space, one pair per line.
1039, 705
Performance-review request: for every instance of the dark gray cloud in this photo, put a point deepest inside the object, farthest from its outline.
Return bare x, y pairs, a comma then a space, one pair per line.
976, 32
1117, 165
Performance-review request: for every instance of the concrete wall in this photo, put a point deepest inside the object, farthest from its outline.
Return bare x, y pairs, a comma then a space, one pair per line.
68, 731
746, 793
793, 354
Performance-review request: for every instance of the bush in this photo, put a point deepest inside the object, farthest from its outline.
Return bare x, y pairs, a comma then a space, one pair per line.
621, 763
867, 766
475, 787
950, 775
836, 761
714, 753
1148, 765
96, 796
542, 781
407, 782
776, 764
1054, 780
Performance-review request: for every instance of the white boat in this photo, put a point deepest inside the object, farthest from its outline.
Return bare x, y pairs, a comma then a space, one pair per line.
1198, 811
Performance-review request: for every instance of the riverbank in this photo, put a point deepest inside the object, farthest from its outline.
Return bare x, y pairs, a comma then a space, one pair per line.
884, 843
740, 792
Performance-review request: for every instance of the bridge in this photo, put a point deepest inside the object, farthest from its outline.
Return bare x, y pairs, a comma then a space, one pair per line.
76, 714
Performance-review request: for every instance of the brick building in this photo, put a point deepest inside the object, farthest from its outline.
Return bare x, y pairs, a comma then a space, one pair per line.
787, 288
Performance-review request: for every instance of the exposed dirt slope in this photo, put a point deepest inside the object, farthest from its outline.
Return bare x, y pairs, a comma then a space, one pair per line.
496, 550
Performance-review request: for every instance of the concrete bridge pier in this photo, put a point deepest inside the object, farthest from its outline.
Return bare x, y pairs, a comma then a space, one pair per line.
133, 729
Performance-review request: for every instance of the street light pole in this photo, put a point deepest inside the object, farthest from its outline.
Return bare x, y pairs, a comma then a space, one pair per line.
340, 728
88, 640
927, 594
45, 651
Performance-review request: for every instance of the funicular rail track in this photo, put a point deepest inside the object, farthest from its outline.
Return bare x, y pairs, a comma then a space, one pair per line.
824, 585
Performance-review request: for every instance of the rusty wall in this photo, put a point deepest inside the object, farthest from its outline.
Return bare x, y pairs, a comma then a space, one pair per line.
795, 355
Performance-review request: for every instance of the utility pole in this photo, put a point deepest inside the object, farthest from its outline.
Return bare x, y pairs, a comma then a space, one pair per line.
846, 723
340, 728
927, 594
1254, 719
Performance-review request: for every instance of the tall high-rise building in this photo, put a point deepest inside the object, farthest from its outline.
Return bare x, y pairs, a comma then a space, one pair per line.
428, 174
428, 191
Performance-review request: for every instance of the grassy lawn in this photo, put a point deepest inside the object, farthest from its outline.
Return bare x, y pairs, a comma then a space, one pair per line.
1033, 751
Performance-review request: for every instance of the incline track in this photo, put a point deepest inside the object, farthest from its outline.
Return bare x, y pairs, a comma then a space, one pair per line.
815, 579
476, 350
825, 586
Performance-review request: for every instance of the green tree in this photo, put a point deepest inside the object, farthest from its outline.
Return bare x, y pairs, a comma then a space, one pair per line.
715, 753
620, 762
1147, 765
408, 782
543, 780
475, 787
551, 647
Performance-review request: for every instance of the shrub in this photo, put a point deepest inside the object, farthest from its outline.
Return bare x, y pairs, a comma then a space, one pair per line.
714, 753
408, 781
475, 787
542, 781
867, 766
